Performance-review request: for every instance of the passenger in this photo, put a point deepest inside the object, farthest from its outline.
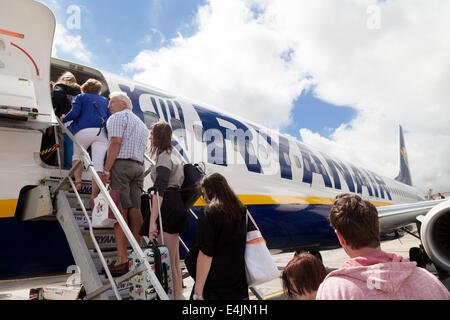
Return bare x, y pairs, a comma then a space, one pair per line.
124, 170
64, 92
302, 277
167, 175
216, 260
372, 274
87, 128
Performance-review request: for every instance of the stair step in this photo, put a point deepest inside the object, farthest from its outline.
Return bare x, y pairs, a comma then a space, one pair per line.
79, 216
124, 288
73, 200
105, 238
52, 182
109, 255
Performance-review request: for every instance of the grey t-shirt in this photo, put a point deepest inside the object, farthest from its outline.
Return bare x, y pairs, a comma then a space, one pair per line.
171, 161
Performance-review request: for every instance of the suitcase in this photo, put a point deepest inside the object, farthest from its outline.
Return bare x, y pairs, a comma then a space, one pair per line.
140, 286
158, 257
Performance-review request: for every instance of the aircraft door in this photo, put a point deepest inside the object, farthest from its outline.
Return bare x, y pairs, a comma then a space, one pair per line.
26, 37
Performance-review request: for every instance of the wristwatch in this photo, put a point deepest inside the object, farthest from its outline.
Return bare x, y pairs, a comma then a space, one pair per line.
106, 173
197, 297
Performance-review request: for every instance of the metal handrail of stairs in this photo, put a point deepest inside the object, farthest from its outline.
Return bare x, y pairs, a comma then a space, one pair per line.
130, 237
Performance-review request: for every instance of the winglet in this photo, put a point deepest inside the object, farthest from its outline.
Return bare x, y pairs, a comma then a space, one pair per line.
404, 176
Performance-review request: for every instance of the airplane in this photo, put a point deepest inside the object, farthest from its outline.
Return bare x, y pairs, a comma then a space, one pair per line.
287, 186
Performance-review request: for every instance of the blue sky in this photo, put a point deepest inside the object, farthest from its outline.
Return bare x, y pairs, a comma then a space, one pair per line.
115, 34
127, 24
318, 115
339, 75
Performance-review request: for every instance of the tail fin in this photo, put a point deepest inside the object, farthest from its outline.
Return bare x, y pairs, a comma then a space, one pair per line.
404, 176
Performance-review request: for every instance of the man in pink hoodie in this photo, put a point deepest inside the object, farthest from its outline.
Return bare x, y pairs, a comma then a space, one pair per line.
372, 274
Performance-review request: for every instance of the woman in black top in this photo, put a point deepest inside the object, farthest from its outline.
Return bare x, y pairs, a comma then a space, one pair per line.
64, 92
216, 261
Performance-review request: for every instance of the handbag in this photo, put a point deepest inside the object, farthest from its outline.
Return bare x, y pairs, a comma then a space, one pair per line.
259, 265
102, 214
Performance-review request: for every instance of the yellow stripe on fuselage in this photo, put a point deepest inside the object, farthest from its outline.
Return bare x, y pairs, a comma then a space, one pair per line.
266, 199
8, 208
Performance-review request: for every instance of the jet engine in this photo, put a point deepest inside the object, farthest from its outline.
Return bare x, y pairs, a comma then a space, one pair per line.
435, 234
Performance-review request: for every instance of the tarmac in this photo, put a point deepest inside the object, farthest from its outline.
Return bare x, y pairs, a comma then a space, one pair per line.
273, 290
332, 259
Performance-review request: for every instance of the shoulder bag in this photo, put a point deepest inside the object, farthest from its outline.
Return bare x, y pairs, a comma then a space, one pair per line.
259, 265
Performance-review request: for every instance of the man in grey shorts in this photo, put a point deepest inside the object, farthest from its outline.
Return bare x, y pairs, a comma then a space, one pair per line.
124, 170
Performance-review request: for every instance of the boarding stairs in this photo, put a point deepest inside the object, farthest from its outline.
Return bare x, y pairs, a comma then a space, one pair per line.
92, 249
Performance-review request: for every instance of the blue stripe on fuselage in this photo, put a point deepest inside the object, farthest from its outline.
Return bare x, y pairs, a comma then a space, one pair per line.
288, 226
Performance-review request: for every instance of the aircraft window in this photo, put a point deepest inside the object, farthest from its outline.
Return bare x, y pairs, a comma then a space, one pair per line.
307, 166
214, 135
287, 159
249, 147
198, 132
262, 152
176, 124
150, 118
297, 162
218, 140
316, 168
177, 128
235, 144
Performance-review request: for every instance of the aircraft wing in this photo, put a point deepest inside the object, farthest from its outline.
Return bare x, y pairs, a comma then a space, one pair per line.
395, 216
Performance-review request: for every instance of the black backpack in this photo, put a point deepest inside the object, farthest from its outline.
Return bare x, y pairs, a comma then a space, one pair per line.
189, 189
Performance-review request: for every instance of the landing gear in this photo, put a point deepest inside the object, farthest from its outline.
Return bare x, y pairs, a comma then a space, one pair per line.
419, 256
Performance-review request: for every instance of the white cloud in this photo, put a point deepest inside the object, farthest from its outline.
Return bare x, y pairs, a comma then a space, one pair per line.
233, 62
67, 44
254, 57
